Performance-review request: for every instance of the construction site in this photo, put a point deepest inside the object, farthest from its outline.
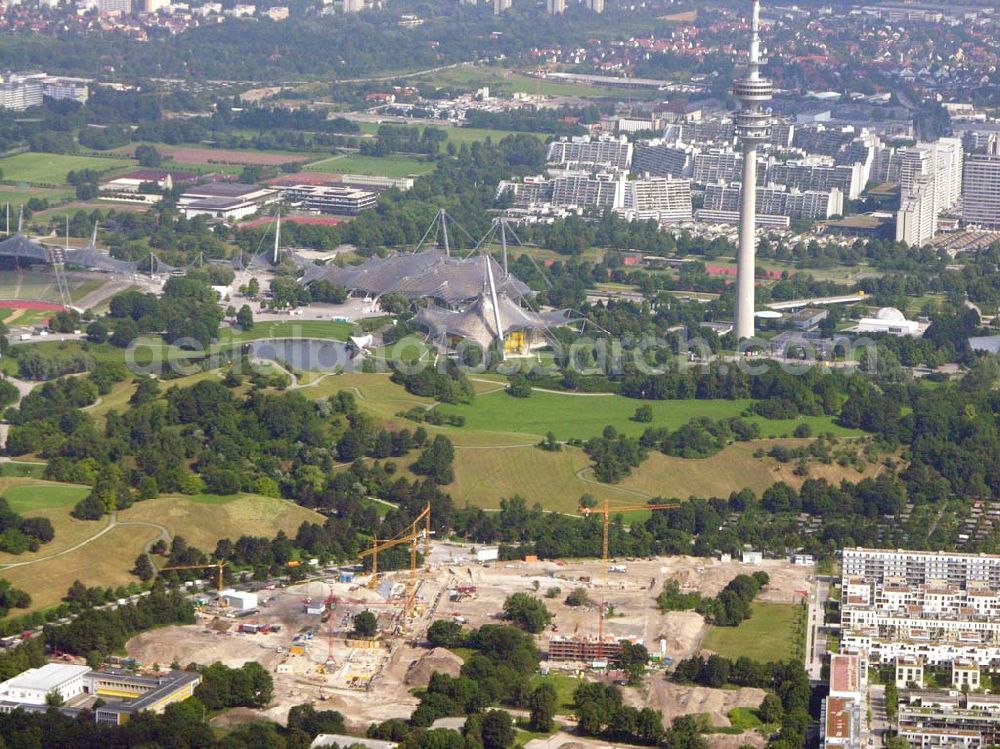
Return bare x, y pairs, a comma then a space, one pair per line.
304, 634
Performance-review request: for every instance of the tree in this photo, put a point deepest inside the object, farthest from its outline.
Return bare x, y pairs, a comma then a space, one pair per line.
365, 624
244, 318
143, 568
526, 612
54, 699
771, 710
497, 730
148, 156
643, 414
445, 633
633, 661
542, 707
578, 597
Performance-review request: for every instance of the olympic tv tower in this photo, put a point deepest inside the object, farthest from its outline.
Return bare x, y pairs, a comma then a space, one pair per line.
753, 126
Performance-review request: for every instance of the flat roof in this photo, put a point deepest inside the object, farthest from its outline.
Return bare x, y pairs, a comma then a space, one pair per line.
225, 190
845, 673
838, 718
47, 677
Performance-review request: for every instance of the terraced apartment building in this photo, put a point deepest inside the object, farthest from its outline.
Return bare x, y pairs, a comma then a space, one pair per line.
933, 606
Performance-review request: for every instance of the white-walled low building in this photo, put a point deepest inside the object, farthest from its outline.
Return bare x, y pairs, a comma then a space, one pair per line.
240, 600
33, 686
889, 320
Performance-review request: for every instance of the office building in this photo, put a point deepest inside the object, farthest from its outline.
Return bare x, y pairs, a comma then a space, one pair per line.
663, 159
662, 199
981, 188
339, 199
586, 153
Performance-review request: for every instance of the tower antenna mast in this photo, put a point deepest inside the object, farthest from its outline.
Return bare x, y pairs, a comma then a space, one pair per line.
753, 127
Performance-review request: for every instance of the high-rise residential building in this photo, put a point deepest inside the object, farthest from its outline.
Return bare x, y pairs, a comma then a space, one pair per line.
662, 199
502, 6
981, 187
663, 159
555, 7
582, 190
937, 607
850, 179
716, 166
753, 127
943, 160
353, 6
114, 6
584, 152
775, 200
595, 6
916, 219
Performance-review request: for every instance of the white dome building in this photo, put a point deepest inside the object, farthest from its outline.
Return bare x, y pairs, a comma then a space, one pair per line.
889, 320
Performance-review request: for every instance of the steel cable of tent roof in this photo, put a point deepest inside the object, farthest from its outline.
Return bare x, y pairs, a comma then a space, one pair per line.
545, 278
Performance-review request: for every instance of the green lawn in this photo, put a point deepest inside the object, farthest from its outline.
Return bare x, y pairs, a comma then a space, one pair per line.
24, 469
564, 685
768, 635
383, 166
325, 329
580, 416
51, 168
26, 498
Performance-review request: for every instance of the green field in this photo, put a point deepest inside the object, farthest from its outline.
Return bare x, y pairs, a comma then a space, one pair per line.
583, 416
564, 685
98, 555
41, 286
768, 635
507, 81
51, 168
26, 498
325, 329
383, 166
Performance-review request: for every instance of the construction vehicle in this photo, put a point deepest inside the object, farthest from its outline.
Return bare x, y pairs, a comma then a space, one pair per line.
220, 566
607, 511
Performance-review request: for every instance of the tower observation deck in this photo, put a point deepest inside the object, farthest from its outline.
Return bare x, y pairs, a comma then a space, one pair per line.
753, 126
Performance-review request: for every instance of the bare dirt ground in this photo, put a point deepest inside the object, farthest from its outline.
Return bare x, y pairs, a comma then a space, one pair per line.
677, 699
315, 662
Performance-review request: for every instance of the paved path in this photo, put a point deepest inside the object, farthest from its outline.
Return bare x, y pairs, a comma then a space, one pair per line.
112, 523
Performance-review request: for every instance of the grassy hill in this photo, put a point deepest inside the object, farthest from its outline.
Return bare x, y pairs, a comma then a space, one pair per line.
102, 552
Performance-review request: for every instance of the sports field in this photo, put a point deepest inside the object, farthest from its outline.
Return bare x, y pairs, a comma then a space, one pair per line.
383, 166
41, 286
51, 168
771, 634
325, 329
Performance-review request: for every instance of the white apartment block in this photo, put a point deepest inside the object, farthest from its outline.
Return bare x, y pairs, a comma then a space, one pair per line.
934, 606
840, 719
850, 179
942, 160
583, 153
662, 199
717, 166
778, 201
664, 159
916, 219
929, 719
579, 190
555, 7
981, 188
